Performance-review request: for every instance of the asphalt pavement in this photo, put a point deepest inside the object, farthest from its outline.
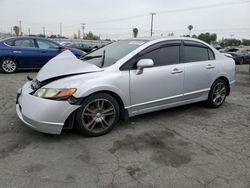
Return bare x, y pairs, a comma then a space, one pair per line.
189, 146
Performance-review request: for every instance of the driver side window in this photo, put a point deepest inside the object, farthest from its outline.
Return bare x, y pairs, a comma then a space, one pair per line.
42, 44
164, 56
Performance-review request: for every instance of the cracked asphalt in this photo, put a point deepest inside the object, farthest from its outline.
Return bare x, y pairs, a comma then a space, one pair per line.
190, 146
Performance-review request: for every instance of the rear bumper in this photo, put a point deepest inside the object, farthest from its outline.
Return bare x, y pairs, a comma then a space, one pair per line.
43, 115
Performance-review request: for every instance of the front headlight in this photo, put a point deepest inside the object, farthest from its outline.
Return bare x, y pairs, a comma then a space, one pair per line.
54, 92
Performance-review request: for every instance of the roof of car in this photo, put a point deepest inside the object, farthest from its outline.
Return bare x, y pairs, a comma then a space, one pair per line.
25, 37
164, 38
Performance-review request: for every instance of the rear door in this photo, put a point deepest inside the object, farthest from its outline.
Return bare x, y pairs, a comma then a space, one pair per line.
25, 52
199, 65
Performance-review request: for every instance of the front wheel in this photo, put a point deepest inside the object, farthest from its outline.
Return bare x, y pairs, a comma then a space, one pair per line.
98, 115
217, 94
8, 65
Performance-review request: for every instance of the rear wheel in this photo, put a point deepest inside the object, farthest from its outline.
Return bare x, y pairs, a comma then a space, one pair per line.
8, 65
98, 115
217, 94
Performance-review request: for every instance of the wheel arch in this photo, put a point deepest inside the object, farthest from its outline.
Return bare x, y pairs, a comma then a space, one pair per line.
118, 98
227, 82
11, 57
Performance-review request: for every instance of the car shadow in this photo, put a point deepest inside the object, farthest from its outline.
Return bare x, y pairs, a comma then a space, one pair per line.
199, 108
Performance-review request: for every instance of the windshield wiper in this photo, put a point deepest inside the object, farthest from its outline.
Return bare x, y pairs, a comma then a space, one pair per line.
91, 57
103, 58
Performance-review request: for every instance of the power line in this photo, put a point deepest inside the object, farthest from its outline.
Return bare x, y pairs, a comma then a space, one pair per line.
202, 7
171, 11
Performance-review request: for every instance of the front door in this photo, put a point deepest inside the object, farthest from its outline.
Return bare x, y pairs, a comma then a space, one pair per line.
160, 85
47, 50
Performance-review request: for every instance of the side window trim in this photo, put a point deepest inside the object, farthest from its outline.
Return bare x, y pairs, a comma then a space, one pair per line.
212, 53
130, 63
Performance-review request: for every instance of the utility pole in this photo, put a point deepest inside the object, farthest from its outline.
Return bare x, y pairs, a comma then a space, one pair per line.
20, 27
152, 23
29, 31
83, 27
79, 34
44, 31
61, 29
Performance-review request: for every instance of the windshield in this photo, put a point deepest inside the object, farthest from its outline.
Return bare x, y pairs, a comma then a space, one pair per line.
109, 54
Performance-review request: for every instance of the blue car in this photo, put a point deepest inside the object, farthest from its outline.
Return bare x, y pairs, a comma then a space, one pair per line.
29, 53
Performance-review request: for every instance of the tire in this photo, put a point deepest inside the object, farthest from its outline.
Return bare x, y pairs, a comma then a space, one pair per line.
218, 93
8, 65
98, 115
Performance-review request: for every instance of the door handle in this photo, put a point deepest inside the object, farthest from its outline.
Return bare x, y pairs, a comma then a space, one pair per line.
176, 71
17, 52
209, 66
43, 52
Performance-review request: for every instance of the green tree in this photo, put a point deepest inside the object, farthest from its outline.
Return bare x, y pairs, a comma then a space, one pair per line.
230, 42
16, 30
135, 32
245, 42
52, 36
207, 37
190, 27
41, 35
91, 36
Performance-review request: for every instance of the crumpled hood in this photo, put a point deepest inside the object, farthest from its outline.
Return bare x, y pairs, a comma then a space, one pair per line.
65, 64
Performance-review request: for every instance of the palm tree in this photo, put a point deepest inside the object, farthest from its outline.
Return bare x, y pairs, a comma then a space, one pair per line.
190, 27
16, 30
135, 32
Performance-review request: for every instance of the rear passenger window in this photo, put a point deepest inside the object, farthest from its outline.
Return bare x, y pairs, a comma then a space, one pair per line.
195, 53
26, 43
9, 42
164, 56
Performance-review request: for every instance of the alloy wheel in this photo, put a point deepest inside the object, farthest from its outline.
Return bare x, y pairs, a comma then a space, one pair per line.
98, 115
219, 93
9, 66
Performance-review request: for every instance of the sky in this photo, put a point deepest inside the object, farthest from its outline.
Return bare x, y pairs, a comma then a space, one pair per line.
115, 19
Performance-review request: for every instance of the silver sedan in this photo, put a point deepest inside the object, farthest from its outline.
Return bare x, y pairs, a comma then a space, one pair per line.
121, 80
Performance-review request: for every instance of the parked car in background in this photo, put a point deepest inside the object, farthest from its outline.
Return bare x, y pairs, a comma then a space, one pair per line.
240, 55
83, 46
121, 80
29, 53
68, 44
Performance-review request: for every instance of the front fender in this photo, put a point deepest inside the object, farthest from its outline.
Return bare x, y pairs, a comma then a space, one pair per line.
102, 88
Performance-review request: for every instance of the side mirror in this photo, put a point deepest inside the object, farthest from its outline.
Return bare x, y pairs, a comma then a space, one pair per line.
144, 63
